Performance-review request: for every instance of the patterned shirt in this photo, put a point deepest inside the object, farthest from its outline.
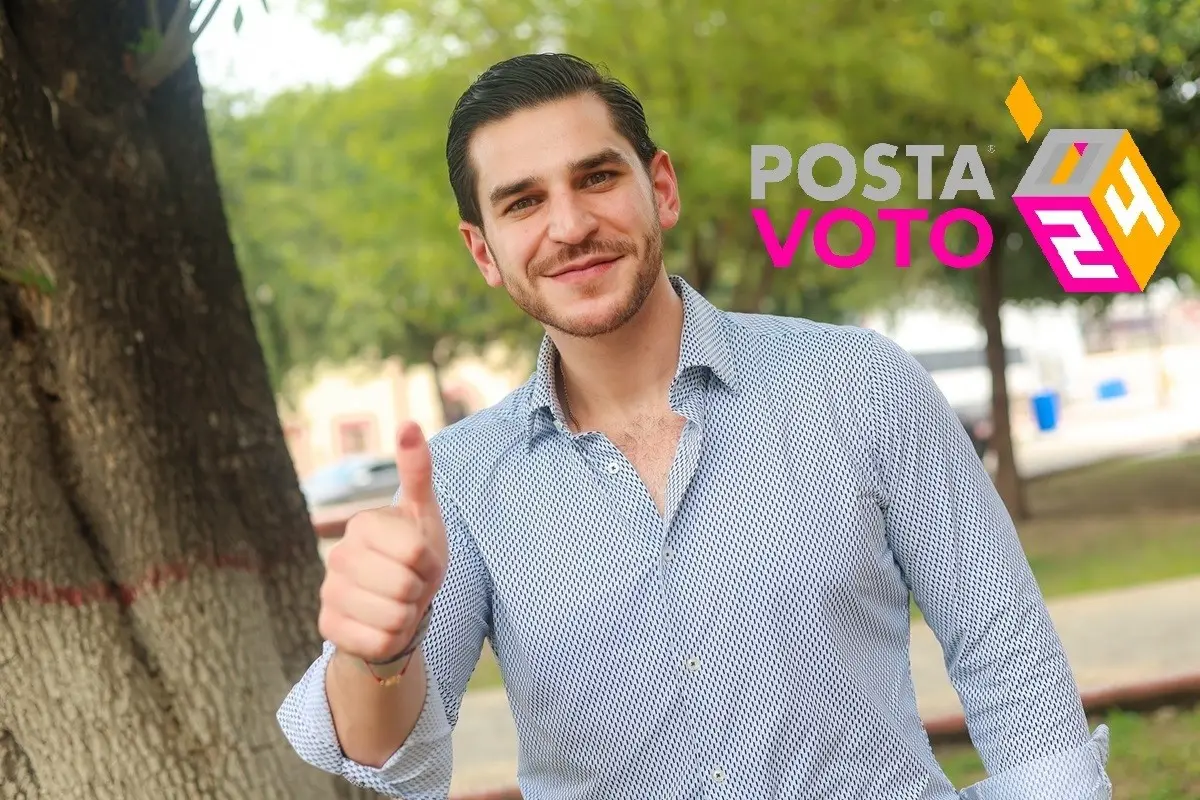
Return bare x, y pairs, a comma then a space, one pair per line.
751, 641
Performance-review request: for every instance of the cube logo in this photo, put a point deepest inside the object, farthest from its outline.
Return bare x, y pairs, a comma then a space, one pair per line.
1092, 204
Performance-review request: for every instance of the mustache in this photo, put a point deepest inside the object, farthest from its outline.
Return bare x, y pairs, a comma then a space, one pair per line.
608, 247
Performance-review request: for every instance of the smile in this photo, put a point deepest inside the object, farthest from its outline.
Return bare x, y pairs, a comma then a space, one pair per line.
586, 273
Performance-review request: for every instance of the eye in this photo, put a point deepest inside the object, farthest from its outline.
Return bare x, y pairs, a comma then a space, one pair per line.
519, 205
601, 175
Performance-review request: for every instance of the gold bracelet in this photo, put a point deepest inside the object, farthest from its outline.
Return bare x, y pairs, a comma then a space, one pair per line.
390, 680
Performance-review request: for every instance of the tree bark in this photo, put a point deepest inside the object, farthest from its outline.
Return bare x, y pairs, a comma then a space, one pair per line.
159, 575
990, 284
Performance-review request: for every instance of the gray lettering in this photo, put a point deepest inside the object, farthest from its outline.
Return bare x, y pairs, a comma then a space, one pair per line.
827, 194
760, 176
877, 169
924, 154
967, 160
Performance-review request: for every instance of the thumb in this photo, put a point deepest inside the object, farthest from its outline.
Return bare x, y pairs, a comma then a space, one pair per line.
414, 463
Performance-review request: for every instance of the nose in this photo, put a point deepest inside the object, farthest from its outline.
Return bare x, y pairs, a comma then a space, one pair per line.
570, 220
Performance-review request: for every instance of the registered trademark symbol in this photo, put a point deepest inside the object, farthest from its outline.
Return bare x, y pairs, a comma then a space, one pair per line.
991, 148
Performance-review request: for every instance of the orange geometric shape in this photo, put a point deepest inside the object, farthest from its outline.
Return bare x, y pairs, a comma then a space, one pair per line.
1024, 109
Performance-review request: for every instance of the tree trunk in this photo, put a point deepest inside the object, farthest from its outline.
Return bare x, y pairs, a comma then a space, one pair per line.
753, 286
439, 389
158, 582
703, 262
991, 295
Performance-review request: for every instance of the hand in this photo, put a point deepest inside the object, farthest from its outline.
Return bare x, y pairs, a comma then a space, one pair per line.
384, 572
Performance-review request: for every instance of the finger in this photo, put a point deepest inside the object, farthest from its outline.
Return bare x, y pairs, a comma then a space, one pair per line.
382, 576
415, 465
373, 610
356, 638
408, 548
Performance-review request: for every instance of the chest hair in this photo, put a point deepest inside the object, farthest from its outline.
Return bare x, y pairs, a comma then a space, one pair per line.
649, 442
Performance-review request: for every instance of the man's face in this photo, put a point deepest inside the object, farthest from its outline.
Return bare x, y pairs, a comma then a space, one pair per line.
573, 223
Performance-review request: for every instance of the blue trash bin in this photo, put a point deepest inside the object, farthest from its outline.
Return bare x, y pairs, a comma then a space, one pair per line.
1045, 410
1111, 389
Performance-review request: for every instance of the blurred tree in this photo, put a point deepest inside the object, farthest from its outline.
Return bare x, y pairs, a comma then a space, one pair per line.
1128, 73
740, 81
159, 575
344, 219
273, 187
914, 72
1170, 148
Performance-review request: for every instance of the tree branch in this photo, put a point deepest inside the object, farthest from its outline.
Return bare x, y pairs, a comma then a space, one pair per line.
176, 43
152, 16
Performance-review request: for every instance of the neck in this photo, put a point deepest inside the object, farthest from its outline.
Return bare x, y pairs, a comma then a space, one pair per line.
628, 369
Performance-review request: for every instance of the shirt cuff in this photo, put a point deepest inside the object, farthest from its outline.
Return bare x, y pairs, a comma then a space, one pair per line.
420, 769
1076, 774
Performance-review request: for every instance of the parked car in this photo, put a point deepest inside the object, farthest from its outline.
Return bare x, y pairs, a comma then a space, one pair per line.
353, 479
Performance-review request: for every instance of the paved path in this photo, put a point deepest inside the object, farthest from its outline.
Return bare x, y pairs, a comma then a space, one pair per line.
1112, 638
1087, 436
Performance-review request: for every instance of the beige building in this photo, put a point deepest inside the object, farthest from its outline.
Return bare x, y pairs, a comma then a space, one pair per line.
357, 408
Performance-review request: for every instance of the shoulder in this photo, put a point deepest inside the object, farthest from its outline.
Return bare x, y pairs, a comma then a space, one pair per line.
467, 453
859, 363
826, 345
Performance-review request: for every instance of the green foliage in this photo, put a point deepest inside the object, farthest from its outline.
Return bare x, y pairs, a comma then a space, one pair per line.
148, 42
346, 230
341, 206
1185, 252
714, 83
30, 278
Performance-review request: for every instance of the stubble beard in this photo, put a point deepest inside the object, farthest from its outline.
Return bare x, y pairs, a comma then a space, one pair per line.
648, 267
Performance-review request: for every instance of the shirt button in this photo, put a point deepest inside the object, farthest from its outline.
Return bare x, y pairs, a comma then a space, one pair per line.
668, 554
718, 775
692, 664
613, 467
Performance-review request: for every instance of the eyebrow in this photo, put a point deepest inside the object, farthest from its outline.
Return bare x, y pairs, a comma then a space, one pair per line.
605, 157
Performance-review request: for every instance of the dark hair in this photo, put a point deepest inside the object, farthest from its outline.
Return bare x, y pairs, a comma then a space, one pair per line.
525, 82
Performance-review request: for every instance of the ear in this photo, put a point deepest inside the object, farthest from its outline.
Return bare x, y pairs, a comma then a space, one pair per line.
477, 245
666, 189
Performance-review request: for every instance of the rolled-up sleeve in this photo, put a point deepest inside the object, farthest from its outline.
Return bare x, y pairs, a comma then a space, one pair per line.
1077, 773
421, 768
956, 545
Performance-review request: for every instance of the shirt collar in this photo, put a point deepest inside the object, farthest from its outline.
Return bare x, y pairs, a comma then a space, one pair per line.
704, 344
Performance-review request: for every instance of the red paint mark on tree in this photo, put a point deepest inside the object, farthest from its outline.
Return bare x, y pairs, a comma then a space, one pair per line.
157, 577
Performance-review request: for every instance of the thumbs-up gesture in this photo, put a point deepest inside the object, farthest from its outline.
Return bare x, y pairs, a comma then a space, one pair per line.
382, 575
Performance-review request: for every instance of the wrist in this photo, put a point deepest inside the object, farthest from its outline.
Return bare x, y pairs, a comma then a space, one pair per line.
389, 673
398, 664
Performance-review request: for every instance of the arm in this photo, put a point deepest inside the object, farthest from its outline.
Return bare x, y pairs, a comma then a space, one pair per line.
413, 720
960, 555
396, 740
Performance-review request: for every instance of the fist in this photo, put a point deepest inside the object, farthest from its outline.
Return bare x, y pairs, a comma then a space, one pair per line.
390, 563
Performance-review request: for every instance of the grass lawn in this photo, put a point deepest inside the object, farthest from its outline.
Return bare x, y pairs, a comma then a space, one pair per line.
1108, 526
1152, 757
1113, 525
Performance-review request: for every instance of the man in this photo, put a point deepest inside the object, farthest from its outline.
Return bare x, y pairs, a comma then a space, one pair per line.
691, 537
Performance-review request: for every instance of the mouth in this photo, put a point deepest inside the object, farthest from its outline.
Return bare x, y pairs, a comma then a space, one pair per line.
584, 269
